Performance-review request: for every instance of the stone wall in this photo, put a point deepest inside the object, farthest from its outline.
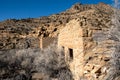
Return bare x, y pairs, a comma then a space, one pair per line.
70, 37
45, 42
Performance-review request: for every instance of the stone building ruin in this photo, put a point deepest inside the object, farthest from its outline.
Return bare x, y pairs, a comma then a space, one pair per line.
70, 38
82, 54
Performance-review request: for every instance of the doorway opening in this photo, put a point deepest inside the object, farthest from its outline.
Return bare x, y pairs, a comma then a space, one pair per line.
71, 53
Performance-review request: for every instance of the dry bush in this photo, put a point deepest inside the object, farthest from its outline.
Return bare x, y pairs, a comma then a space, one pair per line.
114, 72
21, 64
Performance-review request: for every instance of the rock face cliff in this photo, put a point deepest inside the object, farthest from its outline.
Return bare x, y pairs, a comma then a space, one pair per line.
25, 33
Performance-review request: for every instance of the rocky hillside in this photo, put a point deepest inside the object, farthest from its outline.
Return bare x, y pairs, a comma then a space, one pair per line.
96, 25
25, 33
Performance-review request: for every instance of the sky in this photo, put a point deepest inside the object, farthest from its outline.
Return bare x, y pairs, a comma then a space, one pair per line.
19, 9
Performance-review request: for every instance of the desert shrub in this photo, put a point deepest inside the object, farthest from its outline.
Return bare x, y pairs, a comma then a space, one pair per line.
114, 71
64, 74
21, 64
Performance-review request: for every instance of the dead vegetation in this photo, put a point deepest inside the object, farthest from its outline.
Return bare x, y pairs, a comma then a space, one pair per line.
23, 64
